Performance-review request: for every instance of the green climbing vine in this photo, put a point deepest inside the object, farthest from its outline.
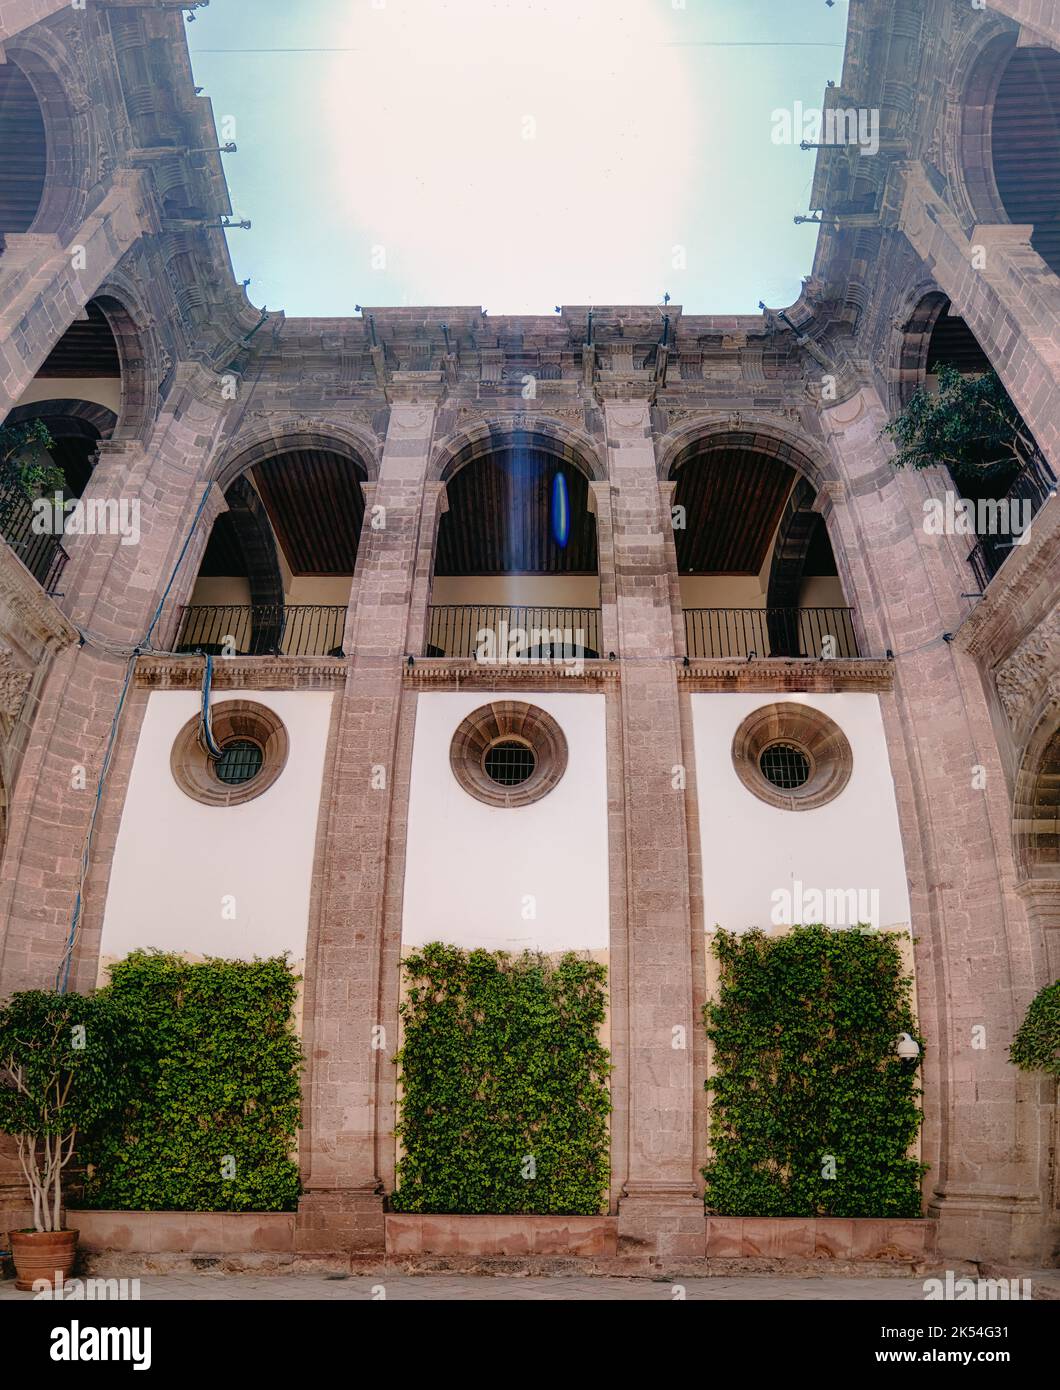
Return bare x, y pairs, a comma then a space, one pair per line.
1036, 1046
813, 1113
504, 1084
214, 1066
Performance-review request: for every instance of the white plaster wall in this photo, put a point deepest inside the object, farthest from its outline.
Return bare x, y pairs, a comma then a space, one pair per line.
469, 865
532, 590
101, 390
176, 859
751, 849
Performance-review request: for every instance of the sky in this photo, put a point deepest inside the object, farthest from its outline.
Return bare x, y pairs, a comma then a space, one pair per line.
517, 154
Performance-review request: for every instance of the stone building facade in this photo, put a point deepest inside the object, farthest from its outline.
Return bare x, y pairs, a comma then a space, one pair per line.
726, 480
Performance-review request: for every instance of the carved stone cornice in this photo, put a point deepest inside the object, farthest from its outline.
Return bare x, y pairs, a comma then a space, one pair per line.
242, 672
1030, 671
27, 614
781, 675
465, 673
1023, 589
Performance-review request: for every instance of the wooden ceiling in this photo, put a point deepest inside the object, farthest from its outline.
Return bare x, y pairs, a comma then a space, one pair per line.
1025, 139
87, 348
23, 151
954, 344
733, 500
316, 507
499, 518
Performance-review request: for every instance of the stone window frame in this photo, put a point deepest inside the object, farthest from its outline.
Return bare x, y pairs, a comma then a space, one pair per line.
506, 721
820, 740
193, 769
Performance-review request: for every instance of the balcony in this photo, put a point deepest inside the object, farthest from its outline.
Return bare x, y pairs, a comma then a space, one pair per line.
308, 629
792, 632
529, 633
1035, 483
41, 553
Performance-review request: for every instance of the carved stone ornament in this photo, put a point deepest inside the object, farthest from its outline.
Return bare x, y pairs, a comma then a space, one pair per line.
1021, 675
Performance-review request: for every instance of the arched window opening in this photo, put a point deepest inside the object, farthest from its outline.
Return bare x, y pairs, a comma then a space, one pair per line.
516, 573
1003, 476
277, 571
757, 572
23, 151
1025, 146
1037, 810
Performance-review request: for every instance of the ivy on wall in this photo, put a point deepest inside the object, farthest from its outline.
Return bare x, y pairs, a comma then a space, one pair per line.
1036, 1046
504, 1084
813, 1113
215, 1064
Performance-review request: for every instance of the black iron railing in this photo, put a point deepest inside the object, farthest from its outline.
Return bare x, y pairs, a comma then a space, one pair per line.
1032, 487
41, 552
741, 632
270, 629
507, 631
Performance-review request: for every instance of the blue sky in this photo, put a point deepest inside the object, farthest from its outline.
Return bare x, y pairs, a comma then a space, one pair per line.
517, 154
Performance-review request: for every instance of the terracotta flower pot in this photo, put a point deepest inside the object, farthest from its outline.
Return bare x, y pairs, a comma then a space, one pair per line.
42, 1255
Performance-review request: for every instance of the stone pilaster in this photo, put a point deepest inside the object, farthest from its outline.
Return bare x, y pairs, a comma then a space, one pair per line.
975, 953
659, 1210
45, 285
1007, 295
112, 591
343, 1206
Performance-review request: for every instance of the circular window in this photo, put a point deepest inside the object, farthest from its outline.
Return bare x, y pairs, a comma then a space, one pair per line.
509, 763
785, 765
508, 753
792, 756
240, 762
254, 748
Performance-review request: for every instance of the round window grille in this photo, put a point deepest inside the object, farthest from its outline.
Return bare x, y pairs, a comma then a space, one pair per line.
509, 763
508, 753
254, 747
785, 765
240, 762
792, 756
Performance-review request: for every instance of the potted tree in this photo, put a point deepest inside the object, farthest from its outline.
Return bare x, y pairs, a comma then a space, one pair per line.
60, 1070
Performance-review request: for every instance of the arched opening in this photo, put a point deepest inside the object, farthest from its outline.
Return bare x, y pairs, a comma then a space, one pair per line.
23, 151
755, 564
276, 575
1036, 820
515, 568
76, 397
1005, 485
1025, 146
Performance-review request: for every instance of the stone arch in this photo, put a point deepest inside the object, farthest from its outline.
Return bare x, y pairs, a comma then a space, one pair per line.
76, 426
924, 305
1036, 798
281, 434
138, 354
758, 434
68, 127
983, 67
496, 433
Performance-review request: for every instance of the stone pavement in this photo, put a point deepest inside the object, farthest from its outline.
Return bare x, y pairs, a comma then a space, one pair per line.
423, 1288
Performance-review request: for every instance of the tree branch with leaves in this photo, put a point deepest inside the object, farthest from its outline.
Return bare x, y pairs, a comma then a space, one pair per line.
61, 1068
969, 424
